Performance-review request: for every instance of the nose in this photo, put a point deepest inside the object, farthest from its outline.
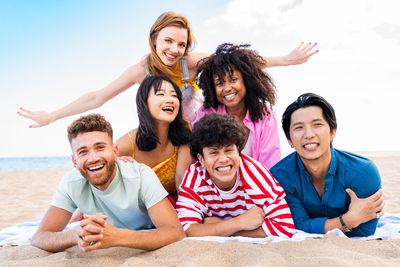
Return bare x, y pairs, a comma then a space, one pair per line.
93, 156
309, 132
174, 48
222, 157
170, 99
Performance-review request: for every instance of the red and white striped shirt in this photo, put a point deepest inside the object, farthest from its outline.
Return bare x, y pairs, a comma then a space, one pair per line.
200, 198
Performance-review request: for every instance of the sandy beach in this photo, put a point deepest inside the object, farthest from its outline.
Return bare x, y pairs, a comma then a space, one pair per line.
27, 194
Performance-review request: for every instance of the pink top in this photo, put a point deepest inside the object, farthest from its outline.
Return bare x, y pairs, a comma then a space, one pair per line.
264, 135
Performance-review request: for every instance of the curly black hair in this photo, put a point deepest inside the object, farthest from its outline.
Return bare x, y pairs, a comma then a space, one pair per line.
216, 130
147, 136
260, 89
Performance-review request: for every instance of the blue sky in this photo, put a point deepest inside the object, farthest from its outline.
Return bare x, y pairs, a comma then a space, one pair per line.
54, 51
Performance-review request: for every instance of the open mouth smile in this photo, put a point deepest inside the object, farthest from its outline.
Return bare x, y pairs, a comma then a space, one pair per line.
224, 169
96, 168
230, 96
168, 109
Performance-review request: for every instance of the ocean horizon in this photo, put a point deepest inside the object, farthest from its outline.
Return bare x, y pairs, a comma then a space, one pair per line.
41, 163
34, 163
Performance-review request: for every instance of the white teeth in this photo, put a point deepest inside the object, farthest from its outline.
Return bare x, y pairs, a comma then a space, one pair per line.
310, 145
168, 109
170, 57
96, 168
223, 169
230, 96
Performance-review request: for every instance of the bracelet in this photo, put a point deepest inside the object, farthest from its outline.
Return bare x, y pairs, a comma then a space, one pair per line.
345, 228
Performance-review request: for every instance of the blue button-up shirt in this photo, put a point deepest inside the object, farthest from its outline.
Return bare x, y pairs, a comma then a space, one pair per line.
346, 170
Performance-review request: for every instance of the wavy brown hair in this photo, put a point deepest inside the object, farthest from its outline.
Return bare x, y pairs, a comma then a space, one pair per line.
260, 89
153, 61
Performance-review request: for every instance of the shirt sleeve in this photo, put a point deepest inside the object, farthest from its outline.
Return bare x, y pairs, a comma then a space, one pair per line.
151, 191
61, 198
364, 186
278, 220
302, 220
300, 217
269, 144
190, 207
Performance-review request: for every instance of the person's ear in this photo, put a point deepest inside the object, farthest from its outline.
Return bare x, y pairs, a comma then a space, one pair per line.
73, 160
290, 143
201, 159
116, 151
333, 134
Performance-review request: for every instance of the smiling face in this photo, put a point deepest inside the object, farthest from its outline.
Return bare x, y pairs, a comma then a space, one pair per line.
164, 103
94, 155
231, 90
311, 135
221, 164
171, 44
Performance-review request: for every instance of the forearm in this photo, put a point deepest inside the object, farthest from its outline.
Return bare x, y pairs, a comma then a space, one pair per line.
55, 241
276, 61
348, 220
148, 240
221, 228
259, 232
94, 99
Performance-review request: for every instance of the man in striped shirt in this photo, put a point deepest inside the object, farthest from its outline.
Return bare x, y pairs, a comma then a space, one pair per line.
227, 193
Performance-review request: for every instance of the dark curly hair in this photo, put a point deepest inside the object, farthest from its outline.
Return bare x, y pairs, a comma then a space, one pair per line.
216, 130
89, 123
147, 136
260, 88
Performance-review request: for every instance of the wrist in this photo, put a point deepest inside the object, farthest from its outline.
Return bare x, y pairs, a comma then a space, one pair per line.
349, 220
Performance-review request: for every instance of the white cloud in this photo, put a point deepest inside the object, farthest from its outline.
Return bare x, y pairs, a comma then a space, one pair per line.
356, 69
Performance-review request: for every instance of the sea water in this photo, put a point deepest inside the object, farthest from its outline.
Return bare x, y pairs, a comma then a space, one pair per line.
35, 163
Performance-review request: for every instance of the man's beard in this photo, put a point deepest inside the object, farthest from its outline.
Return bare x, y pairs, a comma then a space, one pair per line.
100, 179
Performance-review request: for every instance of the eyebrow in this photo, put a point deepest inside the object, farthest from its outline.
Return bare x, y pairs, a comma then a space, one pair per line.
96, 144
302, 122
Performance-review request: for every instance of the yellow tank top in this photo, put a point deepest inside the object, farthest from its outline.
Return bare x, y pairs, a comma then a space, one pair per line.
165, 170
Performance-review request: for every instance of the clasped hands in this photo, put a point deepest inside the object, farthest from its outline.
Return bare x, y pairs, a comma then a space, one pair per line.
95, 232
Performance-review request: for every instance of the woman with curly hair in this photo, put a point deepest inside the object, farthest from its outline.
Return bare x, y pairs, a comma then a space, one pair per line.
233, 82
171, 41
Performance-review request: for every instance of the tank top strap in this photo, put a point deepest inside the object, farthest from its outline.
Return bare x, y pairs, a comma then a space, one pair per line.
132, 144
184, 68
145, 65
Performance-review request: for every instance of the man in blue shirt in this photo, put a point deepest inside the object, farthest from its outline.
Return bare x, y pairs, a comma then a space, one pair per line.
326, 188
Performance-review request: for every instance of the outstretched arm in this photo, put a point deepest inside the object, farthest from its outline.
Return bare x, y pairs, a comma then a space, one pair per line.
301, 54
91, 100
49, 236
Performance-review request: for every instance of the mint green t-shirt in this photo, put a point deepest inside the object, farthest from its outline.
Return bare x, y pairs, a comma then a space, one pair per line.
134, 189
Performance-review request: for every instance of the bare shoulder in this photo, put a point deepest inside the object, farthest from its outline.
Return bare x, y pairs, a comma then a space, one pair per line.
193, 58
183, 150
124, 143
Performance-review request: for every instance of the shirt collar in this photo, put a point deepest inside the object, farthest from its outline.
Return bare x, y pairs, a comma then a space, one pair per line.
332, 166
